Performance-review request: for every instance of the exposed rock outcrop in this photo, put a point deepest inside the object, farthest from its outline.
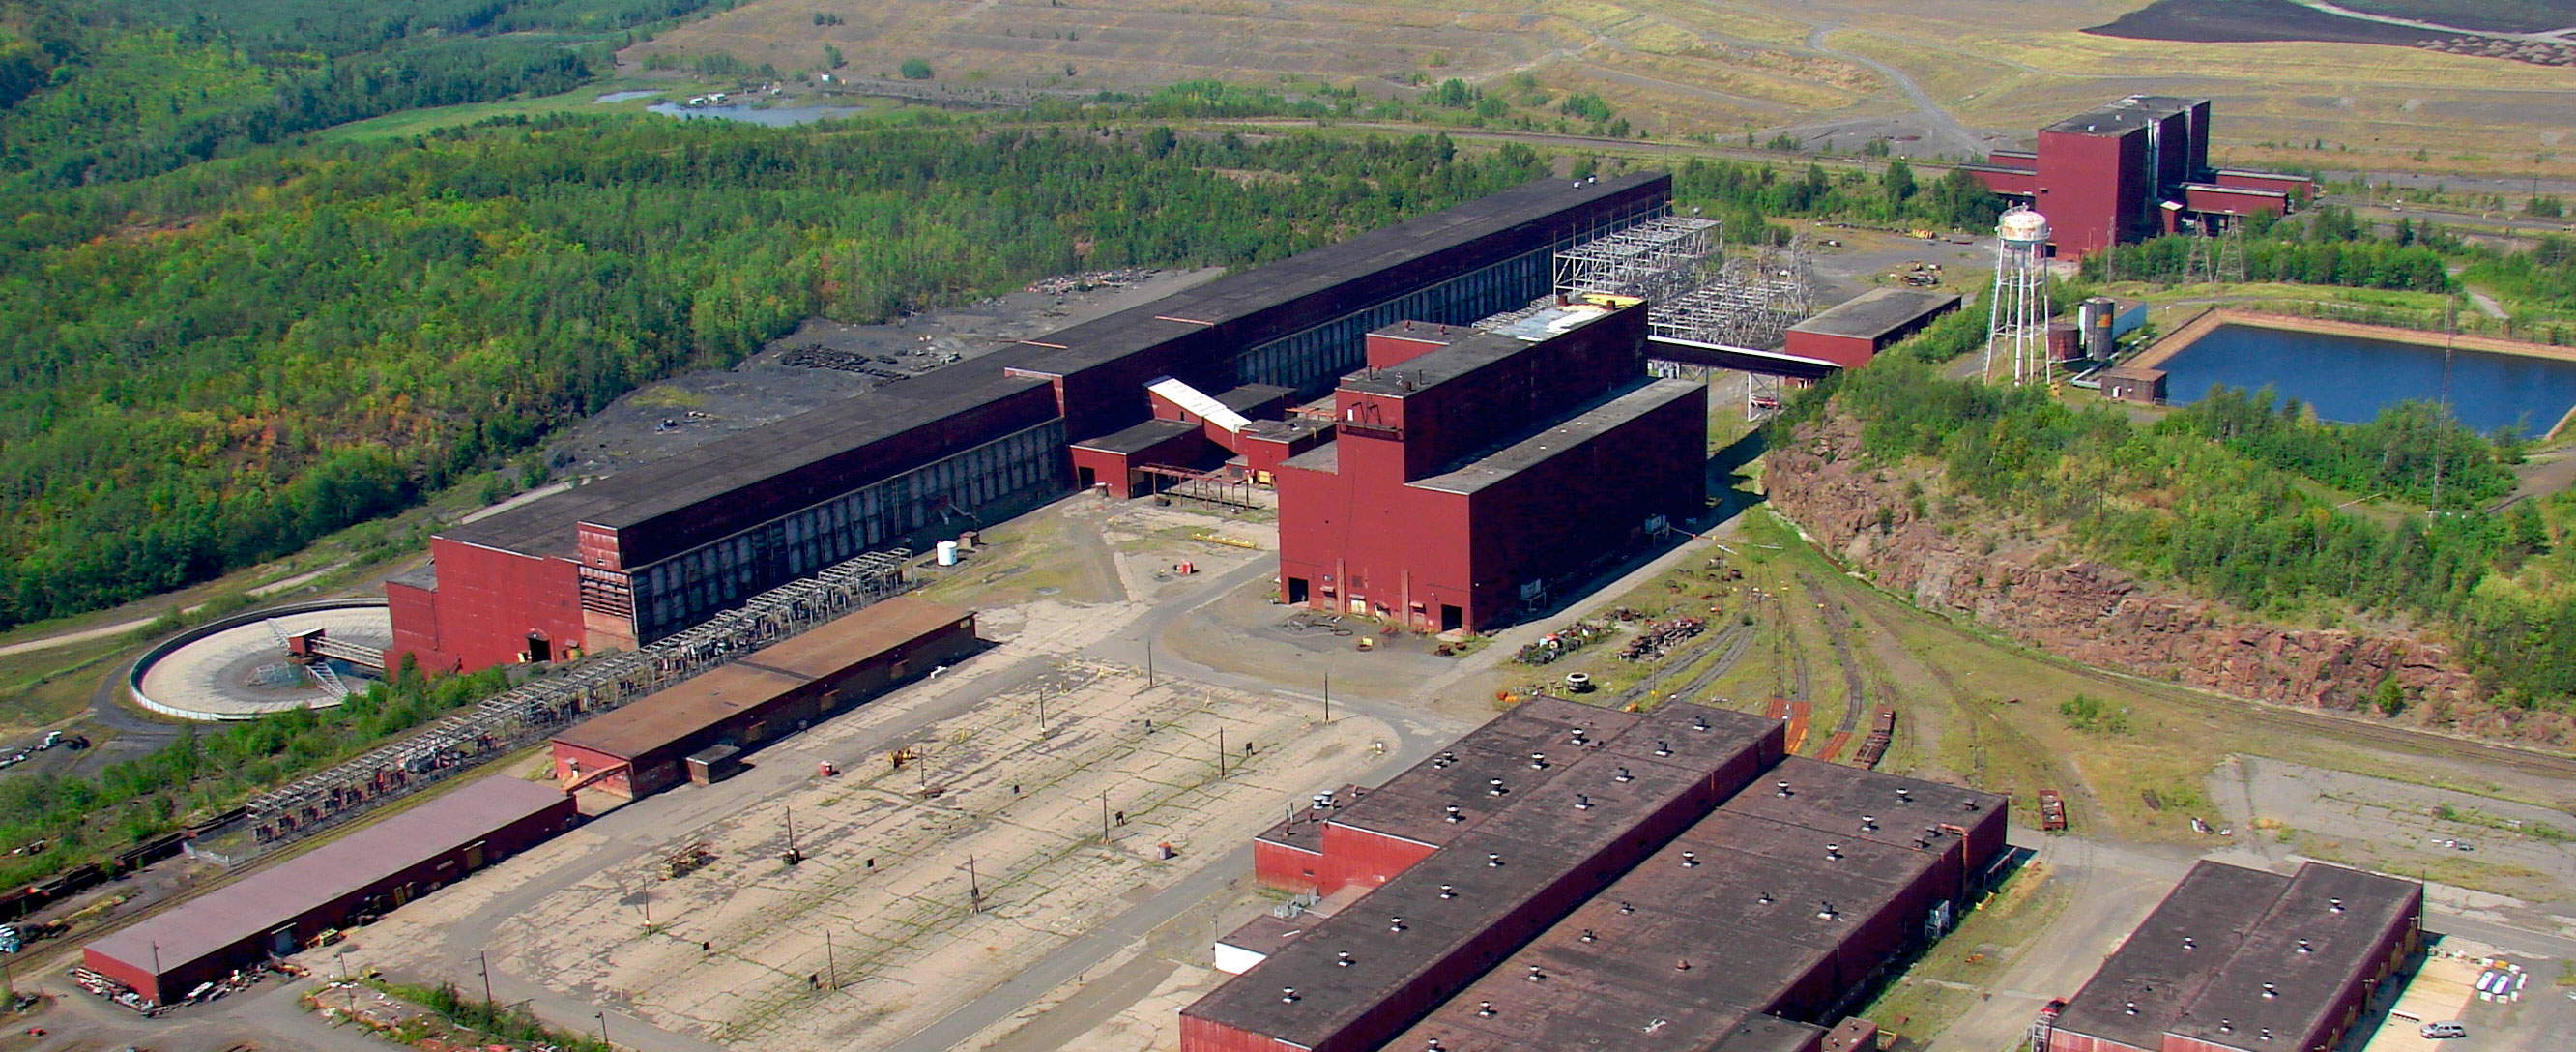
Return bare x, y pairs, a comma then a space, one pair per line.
2028, 587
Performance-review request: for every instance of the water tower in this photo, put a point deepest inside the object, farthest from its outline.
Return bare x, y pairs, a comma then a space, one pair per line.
2018, 325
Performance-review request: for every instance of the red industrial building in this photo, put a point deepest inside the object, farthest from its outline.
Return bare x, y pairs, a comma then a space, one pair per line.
657, 548
2131, 170
1470, 470
2244, 960
644, 748
1567, 873
282, 909
1851, 333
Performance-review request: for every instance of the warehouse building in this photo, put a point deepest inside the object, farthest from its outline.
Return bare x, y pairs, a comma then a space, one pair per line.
2131, 170
1674, 882
655, 549
646, 747
1471, 471
1854, 331
2244, 960
282, 909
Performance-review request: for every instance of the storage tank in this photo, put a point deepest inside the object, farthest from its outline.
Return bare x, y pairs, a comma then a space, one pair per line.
2065, 344
2096, 316
948, 553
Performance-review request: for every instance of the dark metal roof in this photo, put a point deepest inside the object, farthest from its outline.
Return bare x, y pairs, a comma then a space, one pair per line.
2136, 111
1486, 875
703, 702
1139, 438
2339, 917
1414, 805
2143, 988
1539, 448
1238, 296
1248, 397
1873, 314
723, 468
847, 644
230, 915
1833, 797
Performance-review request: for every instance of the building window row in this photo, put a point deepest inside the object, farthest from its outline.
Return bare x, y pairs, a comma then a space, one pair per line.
683, 590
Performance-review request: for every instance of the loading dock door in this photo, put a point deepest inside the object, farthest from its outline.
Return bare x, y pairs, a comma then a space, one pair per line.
281, 942
474, 856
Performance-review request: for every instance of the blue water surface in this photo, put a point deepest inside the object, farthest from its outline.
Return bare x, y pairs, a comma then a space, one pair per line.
776, 116
2350, 378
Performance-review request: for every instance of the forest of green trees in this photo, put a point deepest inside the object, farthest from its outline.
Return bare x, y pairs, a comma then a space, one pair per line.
2199, 499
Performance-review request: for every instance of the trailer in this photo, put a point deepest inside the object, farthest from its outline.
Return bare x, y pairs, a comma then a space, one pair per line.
2052, 811
1882, 733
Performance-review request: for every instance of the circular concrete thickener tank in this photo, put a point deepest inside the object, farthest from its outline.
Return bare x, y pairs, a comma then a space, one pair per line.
235, 668
2022, 225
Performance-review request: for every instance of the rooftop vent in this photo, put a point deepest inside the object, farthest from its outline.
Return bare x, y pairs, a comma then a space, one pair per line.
1781, 787
1395, 924
1345, 959
1578, 736
2270, 991
1287, 995
1834, 852
1699, 723
1322, 801
1493, 861
1766, 898
1627, 907
1493, 787
1624, 776
2334, 905
1587, 935
1905, 794
1453, 814
1868, 824
2267, 1033
1535, 974
1448, 891
1663, 748
2226, 1026
2306, 947
2190, 943
2130, 1007
1967, 805
1435, 1045
1538, 761
1825, 910
1583, 801
1485, 1009
1690, 858
1682, 965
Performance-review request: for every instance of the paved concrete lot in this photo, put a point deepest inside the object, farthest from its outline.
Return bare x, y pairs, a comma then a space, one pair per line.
736, 952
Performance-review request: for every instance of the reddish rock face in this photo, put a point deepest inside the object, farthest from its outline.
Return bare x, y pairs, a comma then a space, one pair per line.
2036, 591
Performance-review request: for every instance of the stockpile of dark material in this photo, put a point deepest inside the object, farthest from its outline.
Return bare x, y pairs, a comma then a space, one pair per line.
817, 356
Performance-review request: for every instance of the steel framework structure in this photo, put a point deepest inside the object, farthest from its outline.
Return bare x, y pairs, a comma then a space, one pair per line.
534, 710
1655, 261
1751, 302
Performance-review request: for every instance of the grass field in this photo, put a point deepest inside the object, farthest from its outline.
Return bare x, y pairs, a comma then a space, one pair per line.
1693, 67
1973, 708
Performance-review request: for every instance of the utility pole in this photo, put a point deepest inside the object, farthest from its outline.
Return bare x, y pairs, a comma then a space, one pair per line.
1042, 728
1104, 814
793, 856
1328, 697
603, 1028
484, 966
646, 901
831, 965
974, 886
1220, 752
1149, 661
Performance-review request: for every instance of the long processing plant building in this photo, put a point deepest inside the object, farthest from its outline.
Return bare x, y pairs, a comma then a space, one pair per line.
653, 550
1570, 877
